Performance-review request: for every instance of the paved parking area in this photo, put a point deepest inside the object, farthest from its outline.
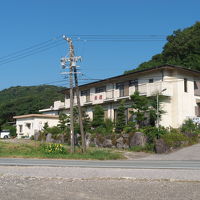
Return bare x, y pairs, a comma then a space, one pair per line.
187, 153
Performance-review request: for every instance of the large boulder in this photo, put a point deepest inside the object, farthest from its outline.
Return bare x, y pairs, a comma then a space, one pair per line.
161, 146
36, 136
107, 143
121, 143
138, 139
88, 140
49, 138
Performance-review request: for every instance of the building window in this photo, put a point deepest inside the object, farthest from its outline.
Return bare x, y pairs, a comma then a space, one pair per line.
185, 85
120, 86
100, 89
151, 80
195, 85
100, 97
134, 83
20, 128
85, 92
28, 125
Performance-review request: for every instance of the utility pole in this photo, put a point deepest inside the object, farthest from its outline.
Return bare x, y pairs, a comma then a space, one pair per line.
72, 59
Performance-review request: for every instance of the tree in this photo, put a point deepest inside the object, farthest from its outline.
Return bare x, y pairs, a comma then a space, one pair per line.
140, 105
121, 118
153, 108
182, 49
98, 116
63, 121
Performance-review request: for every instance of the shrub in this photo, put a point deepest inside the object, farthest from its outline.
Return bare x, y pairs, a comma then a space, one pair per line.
108, 125
153, 133
175, 139
130, 127
190, 128
146, 148
52, 148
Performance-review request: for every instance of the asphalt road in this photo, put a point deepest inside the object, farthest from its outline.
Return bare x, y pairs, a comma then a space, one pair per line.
131, 164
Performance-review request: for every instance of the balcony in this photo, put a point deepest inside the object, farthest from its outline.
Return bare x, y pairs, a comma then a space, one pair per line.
109, 96
87, 100
150, 89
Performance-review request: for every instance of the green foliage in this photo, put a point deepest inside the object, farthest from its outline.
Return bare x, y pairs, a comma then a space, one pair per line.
109, 126
153, 133
55, 130
130, 127
189, 127
85, 120
146, 148
63, 120
175, 140
153, 108
182, 49
98, 116
140, 105
121, 118
26, 100
35, 150
11, 128
52, 148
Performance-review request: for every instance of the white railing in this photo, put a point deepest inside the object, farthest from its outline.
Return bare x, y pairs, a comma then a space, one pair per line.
110, 94
154, 88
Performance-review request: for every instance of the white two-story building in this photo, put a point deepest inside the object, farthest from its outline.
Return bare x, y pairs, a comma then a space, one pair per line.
181, 87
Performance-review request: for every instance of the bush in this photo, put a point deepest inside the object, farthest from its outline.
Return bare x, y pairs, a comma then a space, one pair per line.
130, 127
153, 133
108, 125
52, 148
175, 139
146, 148
190, 128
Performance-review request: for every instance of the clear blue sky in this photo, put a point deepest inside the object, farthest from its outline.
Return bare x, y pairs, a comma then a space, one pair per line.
24, 23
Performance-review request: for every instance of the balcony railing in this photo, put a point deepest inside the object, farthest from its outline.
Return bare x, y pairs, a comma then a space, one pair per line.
150, 89
110, 94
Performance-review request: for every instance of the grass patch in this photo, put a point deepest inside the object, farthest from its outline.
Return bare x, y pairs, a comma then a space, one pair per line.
148, 148
36, 150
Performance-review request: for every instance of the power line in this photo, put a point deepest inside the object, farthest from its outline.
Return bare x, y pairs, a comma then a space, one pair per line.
31, 47
30, 54
52, 43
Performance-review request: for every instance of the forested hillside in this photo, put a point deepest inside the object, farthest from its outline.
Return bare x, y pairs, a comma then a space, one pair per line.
24, 100
182, 49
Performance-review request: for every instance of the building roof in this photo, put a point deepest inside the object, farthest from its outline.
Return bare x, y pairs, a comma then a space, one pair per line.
36, 116
139, 72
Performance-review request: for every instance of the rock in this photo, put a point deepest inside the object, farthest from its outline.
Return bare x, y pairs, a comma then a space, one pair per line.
107, 143
88, 139
161, 146
121, 144
59, 139
49, 138
138, 139
36, 136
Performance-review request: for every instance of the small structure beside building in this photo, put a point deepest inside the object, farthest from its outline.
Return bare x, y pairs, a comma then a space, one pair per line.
57, 107
28, 125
